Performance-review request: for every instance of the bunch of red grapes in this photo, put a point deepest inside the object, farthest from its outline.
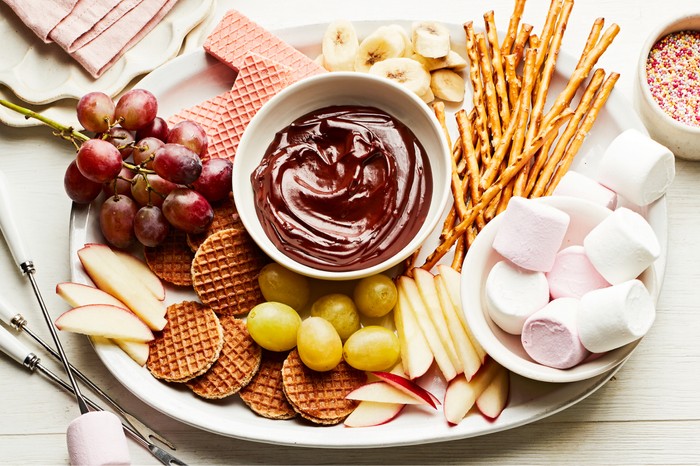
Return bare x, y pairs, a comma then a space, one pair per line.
152, 175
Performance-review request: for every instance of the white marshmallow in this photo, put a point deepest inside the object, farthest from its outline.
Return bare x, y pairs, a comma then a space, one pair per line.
615, 316
514, 294
637, 167
97, 438
550, 335
573, 275
531, 233
622, 246
575, 184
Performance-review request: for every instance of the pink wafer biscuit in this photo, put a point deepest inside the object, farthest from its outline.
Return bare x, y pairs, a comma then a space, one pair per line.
207, 114
236, 35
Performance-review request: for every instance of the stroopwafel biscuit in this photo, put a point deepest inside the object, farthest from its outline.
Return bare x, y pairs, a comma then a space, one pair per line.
225, 217
188, 345
264, 394
238, 362
225, 272
320, 396
171, 260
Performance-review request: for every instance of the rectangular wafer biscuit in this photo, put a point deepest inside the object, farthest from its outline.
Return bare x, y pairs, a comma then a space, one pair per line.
207, 114
236, 35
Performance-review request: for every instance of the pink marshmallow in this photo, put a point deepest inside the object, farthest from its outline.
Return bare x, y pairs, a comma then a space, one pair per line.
573, 275
574, 184
550, 335
531, 233
97, 438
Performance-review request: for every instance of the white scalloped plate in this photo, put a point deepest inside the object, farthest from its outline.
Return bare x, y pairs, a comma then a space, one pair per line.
193, 78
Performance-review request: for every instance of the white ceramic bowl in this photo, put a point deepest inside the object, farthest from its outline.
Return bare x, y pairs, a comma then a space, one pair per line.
506, 348
324, 90
683, 140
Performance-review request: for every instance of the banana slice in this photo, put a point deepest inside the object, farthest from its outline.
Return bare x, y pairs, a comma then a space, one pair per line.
384, 43
430, 39
408, 45
452, 60
428, 97
447, 85
340, 46
320, 61
405, 71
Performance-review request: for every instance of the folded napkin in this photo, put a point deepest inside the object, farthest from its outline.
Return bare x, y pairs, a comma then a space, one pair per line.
96, 33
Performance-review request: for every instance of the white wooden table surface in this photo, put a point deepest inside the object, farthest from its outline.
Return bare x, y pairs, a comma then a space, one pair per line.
649, 413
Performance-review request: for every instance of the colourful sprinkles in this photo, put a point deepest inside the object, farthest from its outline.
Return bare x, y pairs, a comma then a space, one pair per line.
673, 75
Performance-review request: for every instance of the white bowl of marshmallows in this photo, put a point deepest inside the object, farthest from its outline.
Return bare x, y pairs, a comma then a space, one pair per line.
562, 288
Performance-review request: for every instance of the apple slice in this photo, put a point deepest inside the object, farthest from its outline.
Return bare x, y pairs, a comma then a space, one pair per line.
425, 281
77, 294
136, 350
416, 356
461, 394
111, 275
382, 392
373, 413
414, 303
140, 270
104, 320
495, 396
408, 387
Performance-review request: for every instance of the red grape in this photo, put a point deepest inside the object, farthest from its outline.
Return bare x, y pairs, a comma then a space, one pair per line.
150, 226
99, 160
95, 111
187, 210
136, 109
117, 220
214, 182
122, 139
121, 184
79, 188
177, 163
145, 148
139, 189
191, 135
158, 129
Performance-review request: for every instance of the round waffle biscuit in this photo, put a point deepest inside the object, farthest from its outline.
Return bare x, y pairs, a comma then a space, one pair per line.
238, 362
188, 345
225, 217
320, 396
225, 272
171, 260
264, 394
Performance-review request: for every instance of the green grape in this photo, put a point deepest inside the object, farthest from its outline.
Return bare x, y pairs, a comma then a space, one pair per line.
375, 296
284, 286
372, 348
274, 326
340, 311
319, 344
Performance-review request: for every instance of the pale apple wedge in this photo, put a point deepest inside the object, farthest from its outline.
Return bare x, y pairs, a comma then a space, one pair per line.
414, 303
408, 387
494, 398
112, 276
461, 395
425, 281
141, 271
136, 350
372, 413
452, 280
77, 294
382, 392
471, 361
104, 320
416, 356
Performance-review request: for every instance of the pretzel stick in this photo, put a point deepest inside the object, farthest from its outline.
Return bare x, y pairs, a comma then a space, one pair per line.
477, 87
520, 41
512, 30
512, 78
494, 119
472, 163
541, 175
533, 41
547, 31
495, 188
592, 39
497, 63
583, 130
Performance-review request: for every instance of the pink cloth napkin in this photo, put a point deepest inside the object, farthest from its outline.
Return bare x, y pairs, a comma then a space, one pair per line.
41, 16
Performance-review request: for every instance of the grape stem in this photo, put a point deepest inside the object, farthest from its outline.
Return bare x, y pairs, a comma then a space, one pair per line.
67, 132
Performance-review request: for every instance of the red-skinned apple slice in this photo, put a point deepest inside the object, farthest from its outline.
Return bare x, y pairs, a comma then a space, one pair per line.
408, 387
495, 396
416, 356
141, 271
372, 413
104, 320
382, 392
461, 394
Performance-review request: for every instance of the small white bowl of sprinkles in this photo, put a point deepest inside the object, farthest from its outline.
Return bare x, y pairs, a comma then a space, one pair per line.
667, 94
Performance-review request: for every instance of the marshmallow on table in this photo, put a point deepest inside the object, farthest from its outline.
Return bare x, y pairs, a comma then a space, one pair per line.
97, 438
637, 167
622, 246
514, 294
531, 233
574, 184
550, 335
573, 274
615, 316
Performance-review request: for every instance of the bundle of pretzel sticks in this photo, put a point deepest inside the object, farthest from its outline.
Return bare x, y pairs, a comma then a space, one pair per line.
509, 144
